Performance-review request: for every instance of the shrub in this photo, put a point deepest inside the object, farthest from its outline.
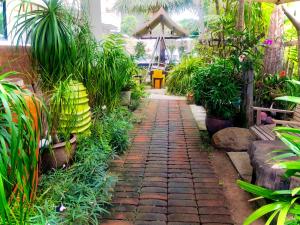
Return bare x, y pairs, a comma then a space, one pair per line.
216, 87
140, 50
50, 29
117, 125
84, 188
179, 81
138, 92
269, 86
106, 68
19, 137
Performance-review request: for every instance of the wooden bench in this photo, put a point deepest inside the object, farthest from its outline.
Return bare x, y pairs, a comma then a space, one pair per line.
265, 132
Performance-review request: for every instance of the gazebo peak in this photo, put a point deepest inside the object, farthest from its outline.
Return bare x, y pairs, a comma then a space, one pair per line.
163, 18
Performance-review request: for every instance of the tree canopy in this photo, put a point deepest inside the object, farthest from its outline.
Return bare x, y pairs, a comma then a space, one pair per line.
146, 6
128, 25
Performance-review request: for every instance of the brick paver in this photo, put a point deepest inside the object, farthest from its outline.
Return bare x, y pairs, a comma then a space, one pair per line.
165, 178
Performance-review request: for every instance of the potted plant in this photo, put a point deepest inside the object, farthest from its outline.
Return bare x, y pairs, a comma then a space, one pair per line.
59, 146
128, 82
49, 28
190, 97
126, 93
216, 88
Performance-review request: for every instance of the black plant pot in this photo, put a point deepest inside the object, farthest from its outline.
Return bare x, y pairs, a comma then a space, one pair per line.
214, 124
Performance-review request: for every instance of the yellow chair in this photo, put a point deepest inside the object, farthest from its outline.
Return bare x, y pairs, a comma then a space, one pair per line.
158, 79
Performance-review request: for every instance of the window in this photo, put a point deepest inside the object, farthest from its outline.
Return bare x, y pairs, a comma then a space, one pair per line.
3, 28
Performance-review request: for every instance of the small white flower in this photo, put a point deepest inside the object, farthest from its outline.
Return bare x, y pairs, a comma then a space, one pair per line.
242, 58
103, 107
64, 166
62, 208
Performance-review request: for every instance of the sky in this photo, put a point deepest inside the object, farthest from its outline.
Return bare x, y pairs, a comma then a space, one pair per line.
187, 14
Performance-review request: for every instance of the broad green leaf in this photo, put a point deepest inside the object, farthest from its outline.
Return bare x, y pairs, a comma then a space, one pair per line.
289, 99
263, 211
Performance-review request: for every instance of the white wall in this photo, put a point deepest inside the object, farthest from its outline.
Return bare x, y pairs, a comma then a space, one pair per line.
109, 15
95, 16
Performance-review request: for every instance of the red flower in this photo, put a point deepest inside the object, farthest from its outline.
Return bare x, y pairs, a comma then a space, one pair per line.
282, 74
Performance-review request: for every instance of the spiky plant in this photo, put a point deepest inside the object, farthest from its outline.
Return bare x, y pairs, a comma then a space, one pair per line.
48, 27
19, 142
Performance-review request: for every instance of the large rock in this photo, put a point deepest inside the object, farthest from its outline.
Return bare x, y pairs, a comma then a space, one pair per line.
233, 139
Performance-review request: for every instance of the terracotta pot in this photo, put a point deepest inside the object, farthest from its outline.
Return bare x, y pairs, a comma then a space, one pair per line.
125, 98
59, 155
190, 98
214, 124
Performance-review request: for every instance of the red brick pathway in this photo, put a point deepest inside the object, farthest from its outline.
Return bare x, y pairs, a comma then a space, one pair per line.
164, 177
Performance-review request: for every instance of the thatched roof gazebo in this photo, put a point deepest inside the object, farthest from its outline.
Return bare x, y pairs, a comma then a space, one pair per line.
169, 30
162, 18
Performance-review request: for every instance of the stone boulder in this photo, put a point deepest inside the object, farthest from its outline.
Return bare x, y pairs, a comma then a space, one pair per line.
265, 175
233, 139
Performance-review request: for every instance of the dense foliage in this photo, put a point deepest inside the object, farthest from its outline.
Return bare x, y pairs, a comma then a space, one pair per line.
105, 68
129, 24
216, 87
50, 31
190, 25
268, 87
84, 189
19, 141
140, 50
179, 80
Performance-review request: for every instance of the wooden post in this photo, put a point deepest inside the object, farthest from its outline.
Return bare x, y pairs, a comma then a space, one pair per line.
241, 13
249, 78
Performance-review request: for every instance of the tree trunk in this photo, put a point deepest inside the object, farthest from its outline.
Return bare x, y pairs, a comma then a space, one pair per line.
217, 7
273, 58
200, 12
249, 97
246, 95
298, 47
296, 24
241, 12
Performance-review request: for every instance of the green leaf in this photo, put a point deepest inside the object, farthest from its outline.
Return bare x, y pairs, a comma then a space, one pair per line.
263, 211
295, 191
289, 99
